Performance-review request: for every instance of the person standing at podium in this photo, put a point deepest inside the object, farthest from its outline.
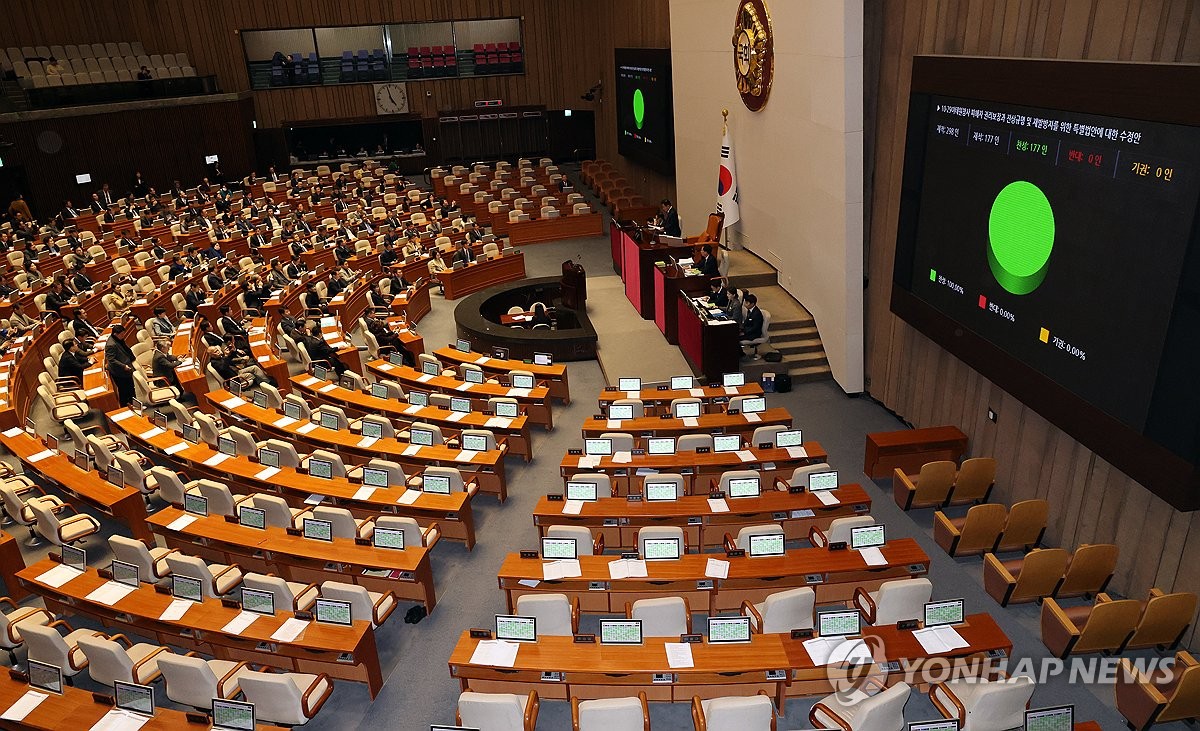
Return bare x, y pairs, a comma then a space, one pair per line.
668, 218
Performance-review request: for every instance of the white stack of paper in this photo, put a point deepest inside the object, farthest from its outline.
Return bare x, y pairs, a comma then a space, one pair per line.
309, 380
175, 610
314, 499
613, 424
572, 507
718, 505
216, 459
566, 568
121, 415
587, 462
412, 409
826, 497
627, 568
364, 493
481, 360
151, 434
24, 706
873, 556
936, 640
696, 392
424, 378
408, 497
284, 421
411, 450
466, 455
716, 568
176, 448
367, 441
13, 432
498, 422
679, 655
745, 455
531, 583
622, 457
797, 452
832, 650
266, 473
496, 653
233, 402
306, 427
691, 422
41, 455
238, 624
289, 630
327, 388
59, 575
181, 522
752, 418
456, 416
519, 392
119, 720
110, 592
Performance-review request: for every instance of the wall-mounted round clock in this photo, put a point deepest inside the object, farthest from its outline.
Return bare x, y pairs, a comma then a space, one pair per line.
753, 53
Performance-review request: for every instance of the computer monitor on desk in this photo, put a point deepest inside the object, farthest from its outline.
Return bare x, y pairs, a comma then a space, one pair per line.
660, 445
681, 383
661, 549
460, 405
507, 409
515, 628
744, 487
559, 548
388, 538
767, 544
820, 481
522, 380
733, 380
726, 442
421, 437
374, 477
252, 517
947, 611
723, 630
418, 398
629, 384
44, 676
754, 405
839, 623
790, 438
867, 536
620, 631
946, 725
134, 698
379, 390
473, 376
687, 410
372, 429
620, 411
1058, 718
232, 715
436, 484
600, 447
660, 491
580, 490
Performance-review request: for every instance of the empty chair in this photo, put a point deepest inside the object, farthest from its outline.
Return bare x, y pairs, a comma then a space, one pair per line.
220, 500
110, 659
734, 713
368, 606
1089, 571
216, 580
839, 530
291, 699
44, 643
1167, 694
782, 611
894, 601
585, 544
602, 482
12, 622
974, 533
639, 409
289, 595
930, 488
1024, 526
763, 434
498, 711
343, 523
974, 480
984, 705
1164, 621
657, 532
610, 714
744, 535
690, 442
450, 473
555, 613
168, 484
288, 456
859, 711
194, 681
678, 403
277, 513
242, 439
338, 468
1103, 627
59, 532
151, 562
1031, 577
621, 442
663, 617
21, 509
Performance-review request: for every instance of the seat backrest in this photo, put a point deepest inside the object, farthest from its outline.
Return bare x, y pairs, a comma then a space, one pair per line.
621, 442
749, 713
659, 531
131, 550
170, 486
839, 528
763, 434
639, 409
220, 499
902, 599
1164, 619
456, 478
552, 611
1001, 703
342, 522
107, 660
274, 584
1184, 703
1089, 570
1025, 525
194, 567
584, 543
1040, 573
661, 617
982, 528
288, 456
723, 483
934, 482
1109, 625
275, 696
360, 600
413, 536
189, 680
602, 482
45, 644
800, 474
880, 711
46, 522
499, 711
786, 610
612, 713
974, 479
768, 529
677, 403
690, 442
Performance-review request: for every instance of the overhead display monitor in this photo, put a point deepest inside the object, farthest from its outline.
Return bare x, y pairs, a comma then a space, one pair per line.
645, 112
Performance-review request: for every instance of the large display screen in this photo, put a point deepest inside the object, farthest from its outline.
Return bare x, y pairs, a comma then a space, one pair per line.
1047, 243
645, 112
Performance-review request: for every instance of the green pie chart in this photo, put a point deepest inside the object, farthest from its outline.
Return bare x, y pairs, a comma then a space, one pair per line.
1020, 237
639, 108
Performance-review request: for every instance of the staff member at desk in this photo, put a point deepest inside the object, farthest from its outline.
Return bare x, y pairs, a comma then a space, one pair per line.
718, 295
668, 218
119, 362
752, 324
707, 263
463, 254
540, 316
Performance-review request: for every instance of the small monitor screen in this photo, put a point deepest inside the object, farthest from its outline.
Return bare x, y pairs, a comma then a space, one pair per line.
522, 380
460, 404
543, 359
134, 698
259, 398
838, 623
581, 490
44, 676
320, 530
620, 631
733, 380
516, 629
949, 611
463, 345
792, 438
332, 611
115, 477
473, 376
950, 725
210, 159
766, 545
197, 504
379, 390
232, 715
818, 481
372, 429
292, 410
661, 491
661, 549
375, 477
629, 384
1059, 718
83, 460
322, 468
83, 178
125, 573
597, 447
556, 548
320, 372
72, 556
252, 517
186, 587
660, 445
439, 484
268, 457
258, 601
191, 433
430, 368
329, 420
507, 409
726, 442
474, 442
388, 538
728, 629
396, 358
620, 411
743, 487
754, 405
226, 445
422, 437
868, 536
680, 383
418, 398
687, 410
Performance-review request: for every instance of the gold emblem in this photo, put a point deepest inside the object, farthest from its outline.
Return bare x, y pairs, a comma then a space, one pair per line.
753, 53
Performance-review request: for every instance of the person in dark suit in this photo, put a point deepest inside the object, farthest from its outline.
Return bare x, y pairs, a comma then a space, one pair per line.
69, 211
164, 364
213, 281
57, 297
83, 330
73, 362
463, 254
256, 240
707, 263
81, 281
207, 336
312, 298
718, 295
289, 323
95, 206
139, 185
752, 324
177, 268
106, 196
228, 325
293, 270
119, 362
540, 316
318, 349
475, 235
388, 256
669, 218
161, 327
193, 296
375, 298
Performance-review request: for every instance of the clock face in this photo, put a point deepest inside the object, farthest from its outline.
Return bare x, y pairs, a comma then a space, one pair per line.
391, 98
753, 53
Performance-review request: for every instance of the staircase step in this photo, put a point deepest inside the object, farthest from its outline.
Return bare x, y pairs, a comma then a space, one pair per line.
797, 346
810, 374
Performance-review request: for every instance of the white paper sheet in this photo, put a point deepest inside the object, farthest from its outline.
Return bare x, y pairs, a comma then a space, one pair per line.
424, 378
936, 640
718, 505
466, 455
696, 392
481, 360
121, 415
181, 522
566, 568
59, 575
531, 583
797, 452
216, 459
519, 392
386, 367
110, 592
622, 457
238, 624
314, 499
95, 391
233, 402
309, 380
498, 422
24, 706
176, 447
327, 388
456, 416
412, 409
745, 455
151, 434
118, 720
266, 473
827, 497
587, 462
873, 556
613, 424
367, 441
464, 387
716, 568
803, 513
41, 455
627, 568
752, 418
832, 650
365, 492
175, 610
679, 655
411, 450
306, 427
691, 422
572, 507
289, 630
496, 653
16, 431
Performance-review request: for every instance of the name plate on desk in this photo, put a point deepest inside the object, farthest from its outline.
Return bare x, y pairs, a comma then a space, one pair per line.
597, 586
802, 634
837, 546
633, 497
629, 555
906, 624
529, 554
735, 553
551, 676
814, 578
584, 639
663, 678
703, 450
481, 634
555, 498
691, 639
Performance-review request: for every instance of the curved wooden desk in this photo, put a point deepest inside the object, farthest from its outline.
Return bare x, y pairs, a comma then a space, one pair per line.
554, 376
482, 274
655, 399
720, 423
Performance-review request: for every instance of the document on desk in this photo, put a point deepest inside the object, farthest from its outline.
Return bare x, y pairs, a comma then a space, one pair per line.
283, 421
119, 720
466, 455
519, 392
42, 455
455, 416
827, 497
572, 507
499, 422
233, 402
408, 497
24, 706
691, 422
873, 556
289, 630
386, 367
364, 493
566, 568
412, 409
309, 380
482, 360
834, 650
411, 450
367, 441
496, 653
152, 433
327, 388
59, 575
314, 499
627, 568
531, 583
745, 455
238, 624
588, 461
803, 513
121, 415
216, 459
633, 394
110, 592
613, 424
266, 473
797, 452
622, 457
752, 418
181, 522
936, 640
175, 610
718, 505
16, 431
696, 392
679, 655
424, 378
716, 568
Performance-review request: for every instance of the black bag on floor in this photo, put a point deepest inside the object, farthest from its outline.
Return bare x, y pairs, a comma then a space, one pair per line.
773, 356
783, 382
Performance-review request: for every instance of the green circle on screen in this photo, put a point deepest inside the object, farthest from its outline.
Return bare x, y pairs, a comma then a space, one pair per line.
1020, 237
639, 108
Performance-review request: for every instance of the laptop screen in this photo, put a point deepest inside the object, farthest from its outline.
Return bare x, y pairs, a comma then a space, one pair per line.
372, 429
687, 410
516, 628
728, 629
620, 411
733, 380
743, 487
332, 611
439, 484
320, 530
134, 698
620, 631
556, 548
258, 601
629, 384
766, 545
581, 490
44, 676
838, 623
1059, 718
657, 491
597, 447
868, 536
660, 445
949, 611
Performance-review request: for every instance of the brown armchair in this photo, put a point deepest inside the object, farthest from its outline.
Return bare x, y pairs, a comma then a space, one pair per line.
1165, 695
1030, 578
974, 533
712, 233
929, 489
1103, 627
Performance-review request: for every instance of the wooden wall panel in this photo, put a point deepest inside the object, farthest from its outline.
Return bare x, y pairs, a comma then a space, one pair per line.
1091, 501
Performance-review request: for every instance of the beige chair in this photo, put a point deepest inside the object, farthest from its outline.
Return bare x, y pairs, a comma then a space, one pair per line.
216, 580
220, 500
676, 404
984, 705
555, 613
639, 409
193, 681
364, 605
930, 488
12, 623
498, 711
839, 530
661, 531
1103, 627
782, 611
974, 481
1168, 694
45, 644
116, 658
344, 524
151, 562
21, 509
291, 699
746, 533
600, 480
1026, 579
414, 534
974, 533
663, 617
611, 714
585, 543
895, 601
277, 513
1165, 620
734, 713
290, 596
69, 530
860, 711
